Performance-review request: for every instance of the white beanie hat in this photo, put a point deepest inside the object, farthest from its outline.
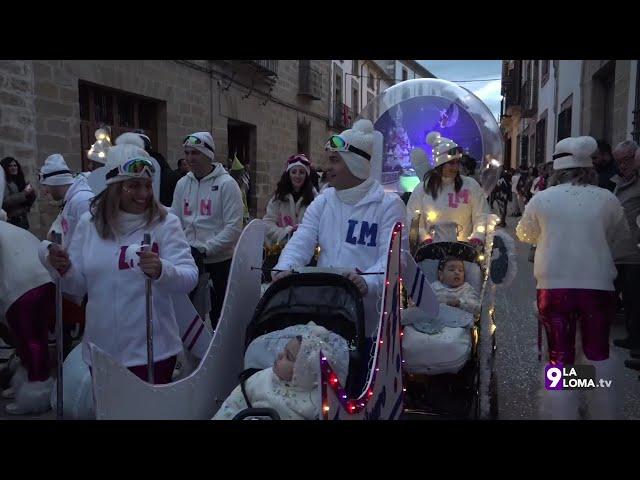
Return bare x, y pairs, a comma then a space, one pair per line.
444, 149
55, 171
359, 148
574, 152
122, 153
299, 160
203, 142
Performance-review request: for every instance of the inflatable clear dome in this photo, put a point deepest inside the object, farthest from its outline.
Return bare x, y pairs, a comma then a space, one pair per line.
405, 114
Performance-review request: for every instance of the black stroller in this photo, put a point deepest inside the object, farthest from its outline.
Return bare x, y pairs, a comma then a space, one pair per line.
329, 300
455, 395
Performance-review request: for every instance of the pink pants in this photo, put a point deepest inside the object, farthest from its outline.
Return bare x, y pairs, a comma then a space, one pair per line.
561, 308
30, 318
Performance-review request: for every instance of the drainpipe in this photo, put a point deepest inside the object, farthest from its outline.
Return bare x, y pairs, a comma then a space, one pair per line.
556, 67
582, 95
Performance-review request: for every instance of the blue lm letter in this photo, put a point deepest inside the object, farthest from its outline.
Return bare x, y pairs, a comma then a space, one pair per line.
368, 231
350, 236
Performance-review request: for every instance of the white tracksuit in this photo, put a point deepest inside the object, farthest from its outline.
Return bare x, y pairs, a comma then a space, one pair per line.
211, 212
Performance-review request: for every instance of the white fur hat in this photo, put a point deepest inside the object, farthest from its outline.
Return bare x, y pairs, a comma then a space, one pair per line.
574, 152
55, 171
441, 152
203, 142
360, 137
127, 148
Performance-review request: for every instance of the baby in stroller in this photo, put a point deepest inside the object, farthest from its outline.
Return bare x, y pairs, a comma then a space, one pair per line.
442, 344
291, 386
451, 287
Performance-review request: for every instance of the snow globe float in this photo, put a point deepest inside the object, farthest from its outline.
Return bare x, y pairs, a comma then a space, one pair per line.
405, 114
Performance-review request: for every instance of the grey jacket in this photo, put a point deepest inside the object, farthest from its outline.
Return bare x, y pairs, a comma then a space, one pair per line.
628, 192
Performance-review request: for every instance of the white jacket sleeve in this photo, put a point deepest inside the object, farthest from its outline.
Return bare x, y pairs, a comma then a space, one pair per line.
274, 233
79, 205
414, 208
179, 271
528, 229
393, 213
233, 405
299, 250
74, 281
479, 211
469, 300
176, 204
232, 217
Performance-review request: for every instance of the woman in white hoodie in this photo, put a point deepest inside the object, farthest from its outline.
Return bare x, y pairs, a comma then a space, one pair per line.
293, 195
106, 261
447, 196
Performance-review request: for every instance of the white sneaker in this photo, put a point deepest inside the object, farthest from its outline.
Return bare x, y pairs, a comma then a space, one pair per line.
32, 397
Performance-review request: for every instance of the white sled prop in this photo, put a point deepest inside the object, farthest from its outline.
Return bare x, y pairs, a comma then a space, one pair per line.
382, 397
419, 289
121, 395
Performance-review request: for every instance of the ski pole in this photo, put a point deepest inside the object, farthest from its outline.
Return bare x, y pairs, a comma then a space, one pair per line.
57, 238
146, 244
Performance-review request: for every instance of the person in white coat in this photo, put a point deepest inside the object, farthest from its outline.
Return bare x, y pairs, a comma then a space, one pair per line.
27, 302
447, 196
74, 192
577, 227
351, 221
105, 260
208, 202
293, 195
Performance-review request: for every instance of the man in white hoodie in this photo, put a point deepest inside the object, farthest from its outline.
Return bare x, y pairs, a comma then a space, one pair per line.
351, 222
74, 192
208, 202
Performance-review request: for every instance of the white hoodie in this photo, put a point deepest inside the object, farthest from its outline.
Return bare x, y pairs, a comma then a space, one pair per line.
116, 309
282, 216
211, 212
77, 201
350, 236
468, 208
576, 229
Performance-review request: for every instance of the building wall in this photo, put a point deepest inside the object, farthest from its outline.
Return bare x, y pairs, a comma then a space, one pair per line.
40, 112
591, 104
569, 72
546, 104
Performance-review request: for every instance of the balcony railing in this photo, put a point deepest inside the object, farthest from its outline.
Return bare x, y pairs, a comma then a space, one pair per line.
310, 82
341, 116
266, 67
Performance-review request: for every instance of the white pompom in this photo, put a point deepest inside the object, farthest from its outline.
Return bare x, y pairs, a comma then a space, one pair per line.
363, 125
130, 138
433, 137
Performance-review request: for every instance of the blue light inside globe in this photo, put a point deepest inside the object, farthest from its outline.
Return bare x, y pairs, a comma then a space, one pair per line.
406, 112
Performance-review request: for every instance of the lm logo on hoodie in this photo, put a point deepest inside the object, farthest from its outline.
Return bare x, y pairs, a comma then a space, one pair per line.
366, 231
205, 208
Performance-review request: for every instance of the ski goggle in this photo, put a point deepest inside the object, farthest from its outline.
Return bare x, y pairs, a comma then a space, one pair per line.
192, 141
337, 144
298, 158
136, 167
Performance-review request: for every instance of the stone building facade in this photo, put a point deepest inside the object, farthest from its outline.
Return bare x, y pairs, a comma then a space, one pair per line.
260, 110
